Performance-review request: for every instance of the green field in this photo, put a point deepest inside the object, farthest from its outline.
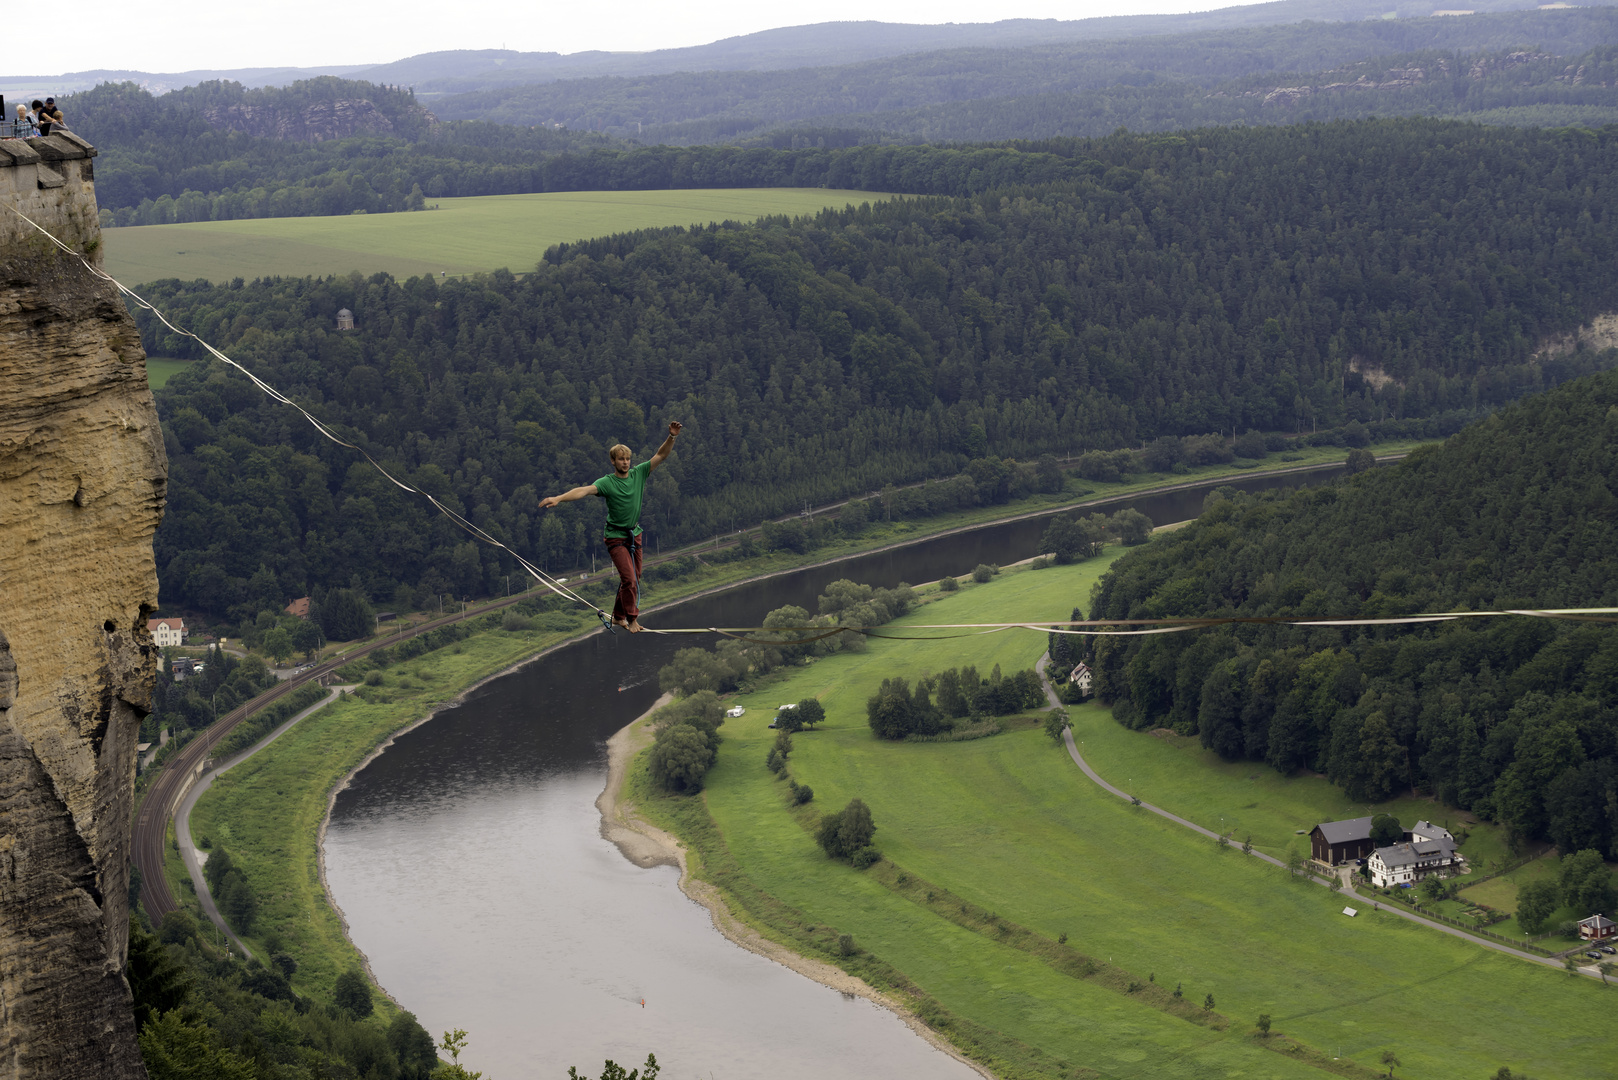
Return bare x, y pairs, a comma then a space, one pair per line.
160, 370
460, 236
1010, 825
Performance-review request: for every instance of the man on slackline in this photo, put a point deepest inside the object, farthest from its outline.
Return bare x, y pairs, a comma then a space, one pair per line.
623, 489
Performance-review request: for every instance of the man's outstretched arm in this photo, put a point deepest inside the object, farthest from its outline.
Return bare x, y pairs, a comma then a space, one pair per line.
667, 448
567, 496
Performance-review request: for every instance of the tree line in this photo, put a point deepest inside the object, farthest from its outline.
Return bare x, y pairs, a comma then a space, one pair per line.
1279, 279
1514, 719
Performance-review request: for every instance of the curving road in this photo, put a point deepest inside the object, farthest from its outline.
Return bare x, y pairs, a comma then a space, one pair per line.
1347, 890
182, 818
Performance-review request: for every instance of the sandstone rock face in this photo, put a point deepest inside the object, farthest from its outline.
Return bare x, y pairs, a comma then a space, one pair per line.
313, 123
82, 481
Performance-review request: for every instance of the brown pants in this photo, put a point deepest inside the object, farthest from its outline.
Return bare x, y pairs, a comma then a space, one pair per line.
626, 556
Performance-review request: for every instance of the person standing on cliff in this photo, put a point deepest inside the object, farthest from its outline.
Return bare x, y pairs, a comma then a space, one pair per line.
54, 113
623, 489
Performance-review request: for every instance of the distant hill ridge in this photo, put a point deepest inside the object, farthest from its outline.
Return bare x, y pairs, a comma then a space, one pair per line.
813, 45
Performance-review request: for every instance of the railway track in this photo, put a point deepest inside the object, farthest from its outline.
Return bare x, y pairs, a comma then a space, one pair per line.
157, 809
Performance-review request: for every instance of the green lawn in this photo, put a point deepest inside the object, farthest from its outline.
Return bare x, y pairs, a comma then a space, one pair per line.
160, 370
1247, 797
1501, 894
461, 236
1009, 824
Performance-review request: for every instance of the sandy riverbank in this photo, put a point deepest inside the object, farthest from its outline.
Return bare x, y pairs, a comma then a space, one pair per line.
645, 845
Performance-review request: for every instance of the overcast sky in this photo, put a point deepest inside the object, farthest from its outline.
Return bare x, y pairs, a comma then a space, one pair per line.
317, 33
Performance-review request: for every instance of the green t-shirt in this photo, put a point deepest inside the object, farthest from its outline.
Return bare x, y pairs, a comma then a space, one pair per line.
623, 500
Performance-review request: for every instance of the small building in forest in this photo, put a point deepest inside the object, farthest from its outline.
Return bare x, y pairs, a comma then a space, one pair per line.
345, 319
1081, 678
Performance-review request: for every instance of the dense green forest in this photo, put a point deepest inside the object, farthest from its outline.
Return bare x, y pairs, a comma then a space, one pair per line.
1283, 279
201, 1011
1515, 719
1111, 77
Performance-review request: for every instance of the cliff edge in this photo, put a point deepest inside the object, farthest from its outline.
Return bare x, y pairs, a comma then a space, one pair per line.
82, 481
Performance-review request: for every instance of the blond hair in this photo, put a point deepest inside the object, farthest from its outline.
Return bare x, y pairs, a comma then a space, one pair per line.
619, 448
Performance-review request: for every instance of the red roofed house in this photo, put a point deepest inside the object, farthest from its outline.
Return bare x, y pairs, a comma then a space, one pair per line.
299, 607
166, 632
1597, 928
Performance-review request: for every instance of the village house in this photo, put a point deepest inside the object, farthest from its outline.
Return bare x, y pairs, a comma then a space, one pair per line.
1338, 842
1082, 679
1597, 928
166, 632
1429, 850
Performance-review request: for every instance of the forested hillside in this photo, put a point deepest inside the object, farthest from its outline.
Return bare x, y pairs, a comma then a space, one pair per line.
1521, 87
1515, 719
326, 146
713, 106
1279, 279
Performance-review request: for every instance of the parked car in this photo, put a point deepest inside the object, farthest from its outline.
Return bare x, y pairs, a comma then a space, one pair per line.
1609, 950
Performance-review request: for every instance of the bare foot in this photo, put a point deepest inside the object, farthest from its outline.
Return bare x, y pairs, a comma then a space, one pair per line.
634, 626
618, 620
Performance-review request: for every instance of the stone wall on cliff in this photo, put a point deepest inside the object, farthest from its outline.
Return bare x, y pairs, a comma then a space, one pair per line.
82, 482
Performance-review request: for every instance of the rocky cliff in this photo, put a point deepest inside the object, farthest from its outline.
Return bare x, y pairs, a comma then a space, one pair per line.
82, 480
313, 123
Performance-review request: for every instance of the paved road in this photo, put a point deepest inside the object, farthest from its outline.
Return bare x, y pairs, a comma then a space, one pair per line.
1078, 759
182, 817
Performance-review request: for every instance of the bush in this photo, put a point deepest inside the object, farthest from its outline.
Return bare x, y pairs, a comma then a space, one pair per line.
865, 856
1250, 445
1056, 722
801, 793
514, 622
843, 834
948, 584
983, 572
352, 994
845, 945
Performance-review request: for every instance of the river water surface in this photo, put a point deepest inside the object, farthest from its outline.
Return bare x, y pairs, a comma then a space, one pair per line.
469, 863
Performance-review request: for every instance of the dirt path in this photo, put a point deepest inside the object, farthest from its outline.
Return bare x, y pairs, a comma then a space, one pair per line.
646, 845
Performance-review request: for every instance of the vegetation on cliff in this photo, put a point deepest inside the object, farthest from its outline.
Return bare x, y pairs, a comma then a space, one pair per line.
1514, 719
1166, 287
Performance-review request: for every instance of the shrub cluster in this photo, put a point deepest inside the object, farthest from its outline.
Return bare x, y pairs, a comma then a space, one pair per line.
844, 603
687, 741
847, 834
897, 712
1071, 538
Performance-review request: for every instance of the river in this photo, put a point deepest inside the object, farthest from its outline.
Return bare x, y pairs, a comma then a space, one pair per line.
469, 863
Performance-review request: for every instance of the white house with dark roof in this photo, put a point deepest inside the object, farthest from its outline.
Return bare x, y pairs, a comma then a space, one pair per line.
1413, 860
1081, 678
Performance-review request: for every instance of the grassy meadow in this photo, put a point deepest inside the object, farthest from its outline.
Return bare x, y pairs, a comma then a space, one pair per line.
1008, 827
458, 237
